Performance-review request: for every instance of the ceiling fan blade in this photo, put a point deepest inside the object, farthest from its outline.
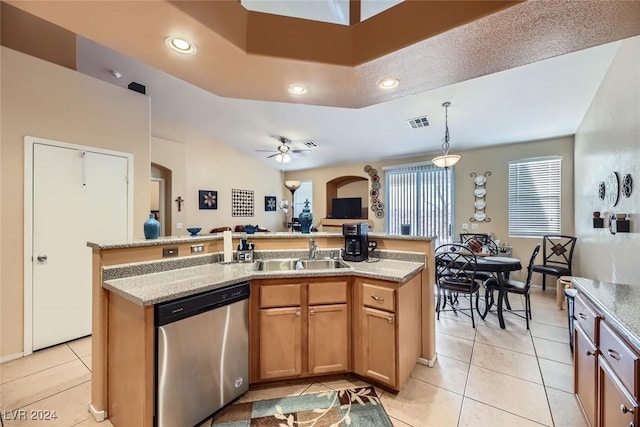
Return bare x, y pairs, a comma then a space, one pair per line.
299, 151
268, 151
273, 155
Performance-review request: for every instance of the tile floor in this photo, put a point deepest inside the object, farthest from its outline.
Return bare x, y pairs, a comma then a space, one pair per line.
484, 377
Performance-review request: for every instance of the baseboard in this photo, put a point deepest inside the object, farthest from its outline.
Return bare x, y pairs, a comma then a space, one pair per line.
430, 363
98, 415
10, 357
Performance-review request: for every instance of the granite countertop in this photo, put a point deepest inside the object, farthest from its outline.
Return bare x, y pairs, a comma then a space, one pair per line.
618, 303
153, 288
121, 244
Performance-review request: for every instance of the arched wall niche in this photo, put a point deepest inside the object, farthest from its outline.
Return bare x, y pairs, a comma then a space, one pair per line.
343, 182
163, 176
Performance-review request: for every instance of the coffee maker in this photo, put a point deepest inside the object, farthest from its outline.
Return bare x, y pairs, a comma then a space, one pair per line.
356, 241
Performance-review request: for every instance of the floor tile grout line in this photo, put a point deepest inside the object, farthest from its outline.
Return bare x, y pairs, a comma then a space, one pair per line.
51, 395
544, 386
43, 370
508, 412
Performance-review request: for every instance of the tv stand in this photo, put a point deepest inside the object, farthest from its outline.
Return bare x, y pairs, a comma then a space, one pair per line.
333, 224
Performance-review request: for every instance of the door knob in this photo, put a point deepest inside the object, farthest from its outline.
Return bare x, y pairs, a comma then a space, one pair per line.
42, 258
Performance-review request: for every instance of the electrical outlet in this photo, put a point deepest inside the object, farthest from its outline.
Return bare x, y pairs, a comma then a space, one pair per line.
373, 245
169, 252
179, 225
475, 226
465, 226
197, 248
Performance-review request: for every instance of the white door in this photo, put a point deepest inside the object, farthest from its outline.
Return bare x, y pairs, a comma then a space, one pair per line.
78, 196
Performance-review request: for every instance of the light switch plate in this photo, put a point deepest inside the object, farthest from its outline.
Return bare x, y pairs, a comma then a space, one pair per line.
465, 226
179, 225
475, 226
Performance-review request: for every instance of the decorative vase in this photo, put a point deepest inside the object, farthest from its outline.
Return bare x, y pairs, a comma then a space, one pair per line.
305, 218
151, 227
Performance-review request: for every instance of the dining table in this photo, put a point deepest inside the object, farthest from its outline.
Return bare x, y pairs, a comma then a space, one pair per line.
500, 266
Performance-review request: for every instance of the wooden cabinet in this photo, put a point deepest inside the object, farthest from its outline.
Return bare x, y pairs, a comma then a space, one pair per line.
606, 369
280, 342
586, 371
303, 328
386, 329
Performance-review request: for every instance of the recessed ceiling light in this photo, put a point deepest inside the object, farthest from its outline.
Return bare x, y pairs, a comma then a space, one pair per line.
388, 83
180, 45
298, 90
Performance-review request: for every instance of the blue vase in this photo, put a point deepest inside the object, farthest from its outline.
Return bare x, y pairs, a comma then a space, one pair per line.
305, 218
151, 227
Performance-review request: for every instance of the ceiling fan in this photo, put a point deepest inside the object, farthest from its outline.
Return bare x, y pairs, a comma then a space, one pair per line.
284, 150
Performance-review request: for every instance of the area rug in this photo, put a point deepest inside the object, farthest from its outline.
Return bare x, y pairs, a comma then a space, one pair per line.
356, 407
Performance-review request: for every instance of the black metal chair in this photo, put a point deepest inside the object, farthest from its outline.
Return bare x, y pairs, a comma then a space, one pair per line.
557, 254
456, 274
512, 286
483, 242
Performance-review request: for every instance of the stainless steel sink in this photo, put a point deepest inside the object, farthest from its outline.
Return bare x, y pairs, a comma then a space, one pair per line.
298, 264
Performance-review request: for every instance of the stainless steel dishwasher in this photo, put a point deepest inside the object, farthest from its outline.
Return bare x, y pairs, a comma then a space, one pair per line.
202, 358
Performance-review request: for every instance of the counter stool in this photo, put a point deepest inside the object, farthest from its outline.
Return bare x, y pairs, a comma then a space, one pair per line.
562, 283
570, 293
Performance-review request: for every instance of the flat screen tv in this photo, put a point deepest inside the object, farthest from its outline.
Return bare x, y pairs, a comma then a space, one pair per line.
346, 208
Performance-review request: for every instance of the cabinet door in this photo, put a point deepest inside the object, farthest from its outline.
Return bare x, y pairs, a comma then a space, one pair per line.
617, 406
280, 342
328, 335
586, 370
379, 345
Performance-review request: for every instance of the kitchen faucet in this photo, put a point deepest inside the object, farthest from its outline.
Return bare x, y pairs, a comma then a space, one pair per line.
313, 248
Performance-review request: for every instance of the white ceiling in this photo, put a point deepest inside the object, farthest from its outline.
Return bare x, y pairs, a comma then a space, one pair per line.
541, 100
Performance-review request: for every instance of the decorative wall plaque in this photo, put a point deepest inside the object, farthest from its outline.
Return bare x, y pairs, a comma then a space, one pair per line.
480, 192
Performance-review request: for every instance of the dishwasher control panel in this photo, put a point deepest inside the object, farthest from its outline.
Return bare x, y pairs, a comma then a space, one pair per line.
182, 308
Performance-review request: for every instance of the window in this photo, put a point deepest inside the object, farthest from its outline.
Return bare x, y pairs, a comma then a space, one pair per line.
420, 195
534, 197
303, 193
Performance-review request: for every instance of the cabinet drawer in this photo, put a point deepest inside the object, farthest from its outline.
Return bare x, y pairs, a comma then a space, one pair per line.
378, 297
327, 293
622, 359
280, 296
586, 316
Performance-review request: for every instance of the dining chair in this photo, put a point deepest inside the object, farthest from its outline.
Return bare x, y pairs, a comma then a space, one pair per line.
514, 287
456, 274
557, 254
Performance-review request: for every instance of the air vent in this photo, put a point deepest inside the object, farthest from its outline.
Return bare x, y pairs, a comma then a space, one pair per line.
310, 144
418, 122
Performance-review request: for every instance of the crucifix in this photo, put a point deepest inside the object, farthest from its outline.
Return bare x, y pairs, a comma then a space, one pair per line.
180, 201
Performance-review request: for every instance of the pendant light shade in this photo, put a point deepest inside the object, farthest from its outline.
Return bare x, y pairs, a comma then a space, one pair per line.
446, 160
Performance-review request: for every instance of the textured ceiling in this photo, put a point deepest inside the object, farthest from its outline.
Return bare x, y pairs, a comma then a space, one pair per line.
518, 35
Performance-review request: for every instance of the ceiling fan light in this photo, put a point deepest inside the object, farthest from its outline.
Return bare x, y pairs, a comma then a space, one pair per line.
282, 158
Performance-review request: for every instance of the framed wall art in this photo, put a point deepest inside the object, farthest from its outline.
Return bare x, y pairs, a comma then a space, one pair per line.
269, 203
241, 202
207, 199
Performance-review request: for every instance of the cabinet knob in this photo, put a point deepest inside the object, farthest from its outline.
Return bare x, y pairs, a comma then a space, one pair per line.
625, 410
377, 298
298, 313
42, 258
590, 353
614, 354
583, 316
311, 312
390, 319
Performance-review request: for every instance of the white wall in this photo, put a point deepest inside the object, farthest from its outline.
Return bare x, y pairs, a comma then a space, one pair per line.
608, 140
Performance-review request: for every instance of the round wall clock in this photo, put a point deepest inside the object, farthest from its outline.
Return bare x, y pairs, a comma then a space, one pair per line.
612, 190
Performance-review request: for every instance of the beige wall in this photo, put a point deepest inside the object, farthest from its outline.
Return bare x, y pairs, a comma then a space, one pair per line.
493, 159
49, 101
201, 162
608, 141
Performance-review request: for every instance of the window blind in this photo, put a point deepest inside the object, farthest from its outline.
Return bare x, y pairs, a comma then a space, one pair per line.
420, 195
534, 197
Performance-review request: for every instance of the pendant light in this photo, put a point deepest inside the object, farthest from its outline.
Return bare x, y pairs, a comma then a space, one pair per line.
446, 160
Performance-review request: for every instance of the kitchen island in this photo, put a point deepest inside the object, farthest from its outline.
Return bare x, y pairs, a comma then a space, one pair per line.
189, 273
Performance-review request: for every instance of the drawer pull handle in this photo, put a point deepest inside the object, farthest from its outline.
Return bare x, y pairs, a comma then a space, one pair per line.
390, 319
583, 316
311, 312
625, 410
590, 353
297, 313
614, 354
377, 298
